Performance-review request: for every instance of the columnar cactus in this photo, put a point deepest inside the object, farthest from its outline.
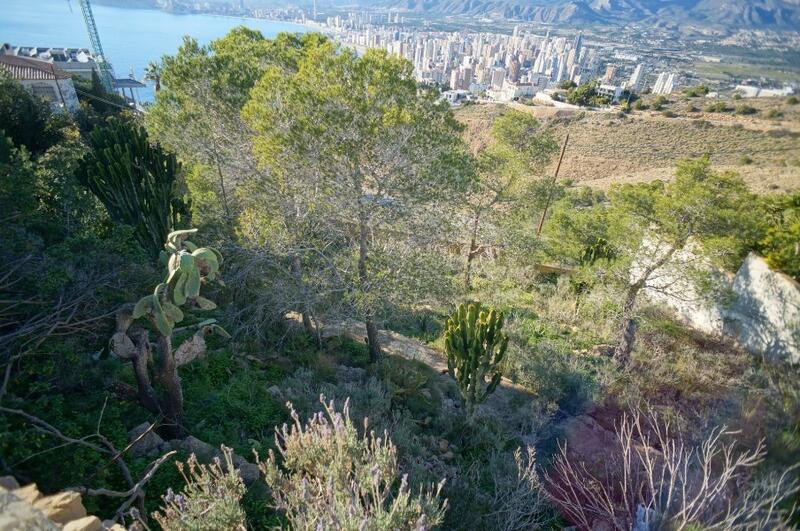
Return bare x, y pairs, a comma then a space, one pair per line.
135, 180
475, 346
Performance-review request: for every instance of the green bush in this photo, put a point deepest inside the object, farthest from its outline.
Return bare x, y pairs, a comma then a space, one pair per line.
719, 106
774, 114
745, 109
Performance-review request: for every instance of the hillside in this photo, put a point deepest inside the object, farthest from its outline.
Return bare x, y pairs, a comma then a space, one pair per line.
738, 13
609, 147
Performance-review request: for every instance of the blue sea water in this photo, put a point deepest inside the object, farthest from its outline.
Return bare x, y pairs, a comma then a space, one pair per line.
131, 37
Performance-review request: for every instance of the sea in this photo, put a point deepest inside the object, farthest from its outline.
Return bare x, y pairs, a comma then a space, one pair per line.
131, 38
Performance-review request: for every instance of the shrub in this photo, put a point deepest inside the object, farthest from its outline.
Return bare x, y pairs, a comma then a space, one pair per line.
745, 109
659, 102
719, 106
792, 100
210, 499
639, 105
745, 160
774, 114
678, 486
331, 478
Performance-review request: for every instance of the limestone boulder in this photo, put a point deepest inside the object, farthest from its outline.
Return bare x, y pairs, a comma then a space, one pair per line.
62, 507
87, 523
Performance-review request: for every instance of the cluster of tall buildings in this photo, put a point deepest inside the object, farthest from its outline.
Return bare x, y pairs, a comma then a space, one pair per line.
499, 66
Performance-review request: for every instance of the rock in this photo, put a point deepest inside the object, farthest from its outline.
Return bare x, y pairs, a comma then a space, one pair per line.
349, 374
589, 442
62, 507
148, 445
276, 393
249, 472
110, 525
88, 523
9, 482
193, 445
205, 452
17, 514
447, 456
29, 493
443, 445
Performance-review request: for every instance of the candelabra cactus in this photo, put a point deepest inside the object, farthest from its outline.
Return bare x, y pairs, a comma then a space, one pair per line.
475, 345
188, 267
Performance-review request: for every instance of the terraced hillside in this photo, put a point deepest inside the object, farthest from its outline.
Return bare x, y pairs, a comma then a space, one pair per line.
761, 142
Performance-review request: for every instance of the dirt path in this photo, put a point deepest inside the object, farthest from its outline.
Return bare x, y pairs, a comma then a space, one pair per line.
507, 398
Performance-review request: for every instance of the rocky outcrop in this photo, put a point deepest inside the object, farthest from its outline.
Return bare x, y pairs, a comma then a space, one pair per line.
25, 508
760, 312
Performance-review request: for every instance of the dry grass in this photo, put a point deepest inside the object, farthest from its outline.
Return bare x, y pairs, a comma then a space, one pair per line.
607, 147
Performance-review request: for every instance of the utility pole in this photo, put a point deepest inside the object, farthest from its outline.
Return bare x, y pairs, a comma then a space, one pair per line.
552, 187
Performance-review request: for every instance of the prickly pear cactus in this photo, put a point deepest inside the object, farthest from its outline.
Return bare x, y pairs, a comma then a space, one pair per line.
475, 345
188, 267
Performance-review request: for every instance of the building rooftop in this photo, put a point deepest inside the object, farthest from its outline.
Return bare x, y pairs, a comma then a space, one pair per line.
24, 68
46, 53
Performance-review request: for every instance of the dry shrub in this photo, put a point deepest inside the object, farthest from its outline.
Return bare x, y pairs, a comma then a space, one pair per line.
210, 500
329, 477
519, 500
653, 481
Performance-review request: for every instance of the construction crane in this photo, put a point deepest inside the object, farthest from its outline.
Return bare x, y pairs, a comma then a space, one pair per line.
104, 67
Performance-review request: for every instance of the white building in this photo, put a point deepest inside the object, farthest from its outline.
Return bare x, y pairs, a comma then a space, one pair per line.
612, 91
76, 61
751, 91
635, 82
665, 84
43, 79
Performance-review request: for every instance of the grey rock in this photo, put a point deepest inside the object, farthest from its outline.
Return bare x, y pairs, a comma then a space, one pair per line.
9, 482
16, 514
150, 444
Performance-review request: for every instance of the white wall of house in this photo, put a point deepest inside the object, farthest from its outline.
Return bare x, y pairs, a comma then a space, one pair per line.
60, 93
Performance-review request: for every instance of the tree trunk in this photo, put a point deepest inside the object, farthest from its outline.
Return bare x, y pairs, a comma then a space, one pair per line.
471, 252
372, 330
629, 326
172, 406
145, 393
307, 317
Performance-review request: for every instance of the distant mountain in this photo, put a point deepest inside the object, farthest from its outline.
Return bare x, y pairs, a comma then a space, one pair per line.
729, 13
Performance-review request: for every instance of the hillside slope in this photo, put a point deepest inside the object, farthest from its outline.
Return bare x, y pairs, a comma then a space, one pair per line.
735, 13
607, 148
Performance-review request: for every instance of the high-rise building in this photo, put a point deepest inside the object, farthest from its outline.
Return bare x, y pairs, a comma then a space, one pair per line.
665, 83
611, 71
635, 82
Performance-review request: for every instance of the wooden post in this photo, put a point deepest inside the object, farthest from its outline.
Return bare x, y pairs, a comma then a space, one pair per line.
552, 185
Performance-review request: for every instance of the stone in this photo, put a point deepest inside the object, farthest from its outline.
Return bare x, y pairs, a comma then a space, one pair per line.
276, 392
110, 525
444, 445
148, 445
87, 523
17, 514
9, 482
62, 507
349, 374
29, 493
193, 445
